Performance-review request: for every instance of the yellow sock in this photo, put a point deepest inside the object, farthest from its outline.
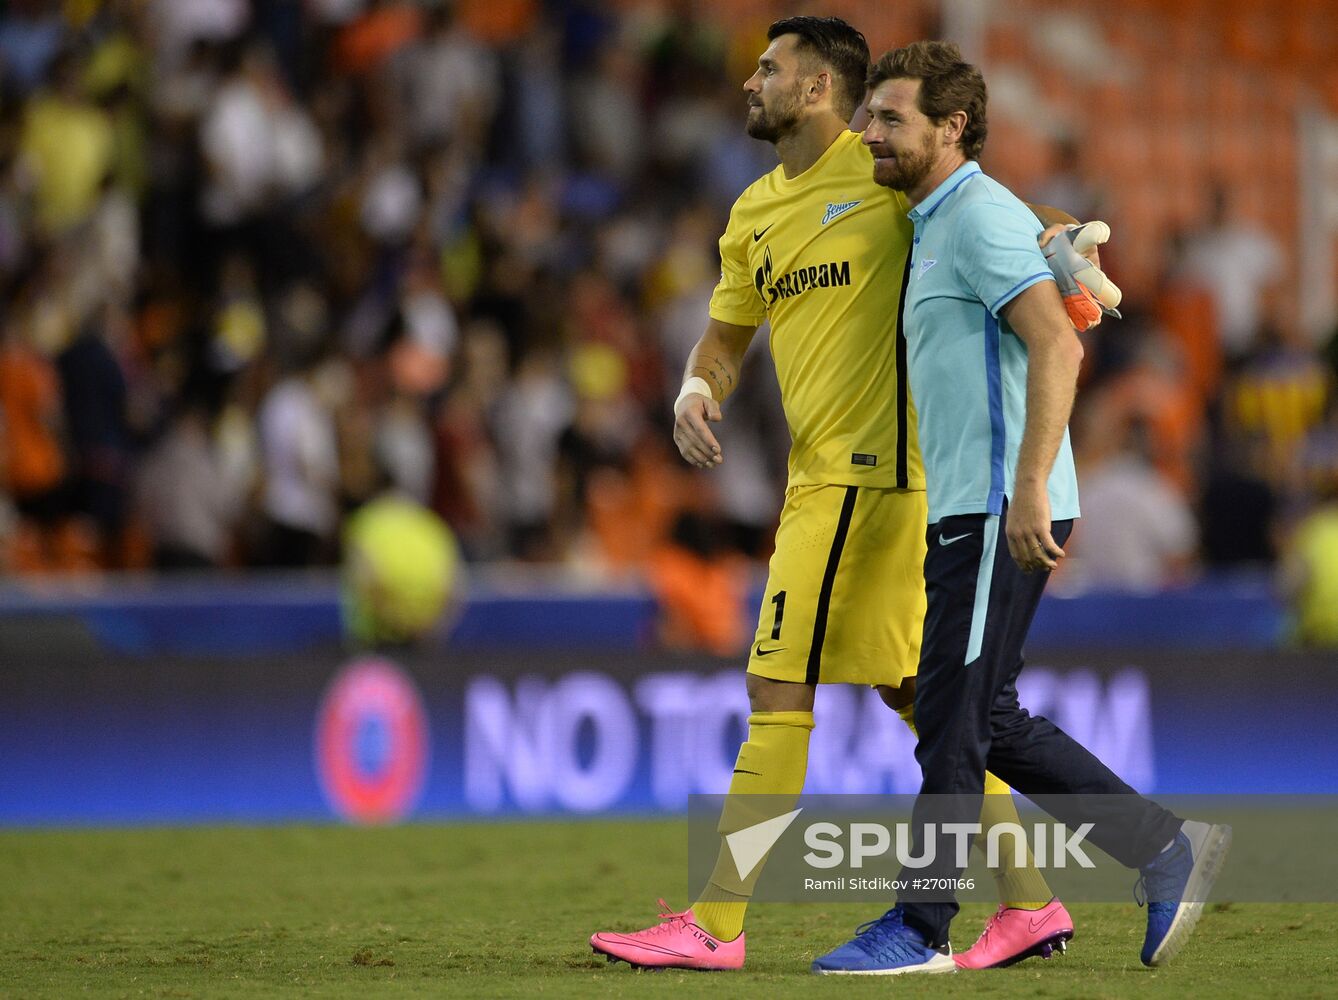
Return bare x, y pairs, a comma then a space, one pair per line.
772, 763
1021, 887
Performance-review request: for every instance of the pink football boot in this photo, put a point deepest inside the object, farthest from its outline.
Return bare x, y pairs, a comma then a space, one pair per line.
677, 943
1012, 935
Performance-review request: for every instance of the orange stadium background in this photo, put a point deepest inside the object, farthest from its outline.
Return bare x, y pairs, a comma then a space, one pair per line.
500, 324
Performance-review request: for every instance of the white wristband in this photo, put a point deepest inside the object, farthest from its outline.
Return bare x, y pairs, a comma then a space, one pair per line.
696, 385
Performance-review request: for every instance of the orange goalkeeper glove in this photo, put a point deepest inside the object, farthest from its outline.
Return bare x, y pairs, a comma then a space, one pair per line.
1085, 289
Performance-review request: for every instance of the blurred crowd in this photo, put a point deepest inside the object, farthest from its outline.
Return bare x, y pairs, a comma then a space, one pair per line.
264, 260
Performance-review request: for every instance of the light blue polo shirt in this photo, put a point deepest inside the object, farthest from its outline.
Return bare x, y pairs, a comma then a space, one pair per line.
974, 250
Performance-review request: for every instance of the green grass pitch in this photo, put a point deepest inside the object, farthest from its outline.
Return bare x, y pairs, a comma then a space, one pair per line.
504, 909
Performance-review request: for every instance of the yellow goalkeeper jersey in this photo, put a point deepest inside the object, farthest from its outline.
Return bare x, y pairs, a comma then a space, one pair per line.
824, 257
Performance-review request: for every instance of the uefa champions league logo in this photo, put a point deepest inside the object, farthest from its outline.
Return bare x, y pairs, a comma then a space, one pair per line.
372, 746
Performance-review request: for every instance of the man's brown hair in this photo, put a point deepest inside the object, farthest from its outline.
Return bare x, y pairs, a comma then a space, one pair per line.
948, 83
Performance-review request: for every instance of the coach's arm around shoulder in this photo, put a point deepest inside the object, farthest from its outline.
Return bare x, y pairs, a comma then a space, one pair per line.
1054, 355
712, 374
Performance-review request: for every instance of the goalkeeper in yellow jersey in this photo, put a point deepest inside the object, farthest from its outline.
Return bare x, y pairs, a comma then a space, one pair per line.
821, 251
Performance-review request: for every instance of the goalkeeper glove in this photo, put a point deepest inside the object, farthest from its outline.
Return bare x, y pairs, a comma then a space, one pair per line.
1085, 289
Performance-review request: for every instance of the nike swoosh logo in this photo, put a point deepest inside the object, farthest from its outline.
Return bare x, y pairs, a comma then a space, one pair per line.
757, 236
956, 538
768, 652
1035, 925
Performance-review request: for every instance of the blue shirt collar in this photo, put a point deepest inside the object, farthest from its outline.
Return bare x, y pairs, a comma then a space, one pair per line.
955, 180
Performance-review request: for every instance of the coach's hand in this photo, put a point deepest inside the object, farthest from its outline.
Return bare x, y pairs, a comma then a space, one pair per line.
692, 413
1029, 540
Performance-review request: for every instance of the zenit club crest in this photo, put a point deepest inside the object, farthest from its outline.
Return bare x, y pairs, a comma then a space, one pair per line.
837, 209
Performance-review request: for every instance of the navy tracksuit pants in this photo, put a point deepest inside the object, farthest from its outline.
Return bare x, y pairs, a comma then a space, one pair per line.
980, 606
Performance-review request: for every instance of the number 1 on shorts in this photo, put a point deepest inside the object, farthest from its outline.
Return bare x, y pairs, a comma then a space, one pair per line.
779, 601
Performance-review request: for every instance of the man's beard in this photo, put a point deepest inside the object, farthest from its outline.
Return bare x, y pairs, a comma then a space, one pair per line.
775, 125
907, 170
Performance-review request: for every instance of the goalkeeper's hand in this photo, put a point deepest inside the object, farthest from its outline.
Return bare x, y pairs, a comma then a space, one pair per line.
1087, 292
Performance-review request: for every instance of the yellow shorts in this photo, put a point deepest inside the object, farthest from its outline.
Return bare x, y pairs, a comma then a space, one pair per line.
845, 597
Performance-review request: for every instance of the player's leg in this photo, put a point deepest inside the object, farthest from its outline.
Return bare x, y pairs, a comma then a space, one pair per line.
1021, 885
795, 629
768, 776
773, 761
886, 946
1030, 919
